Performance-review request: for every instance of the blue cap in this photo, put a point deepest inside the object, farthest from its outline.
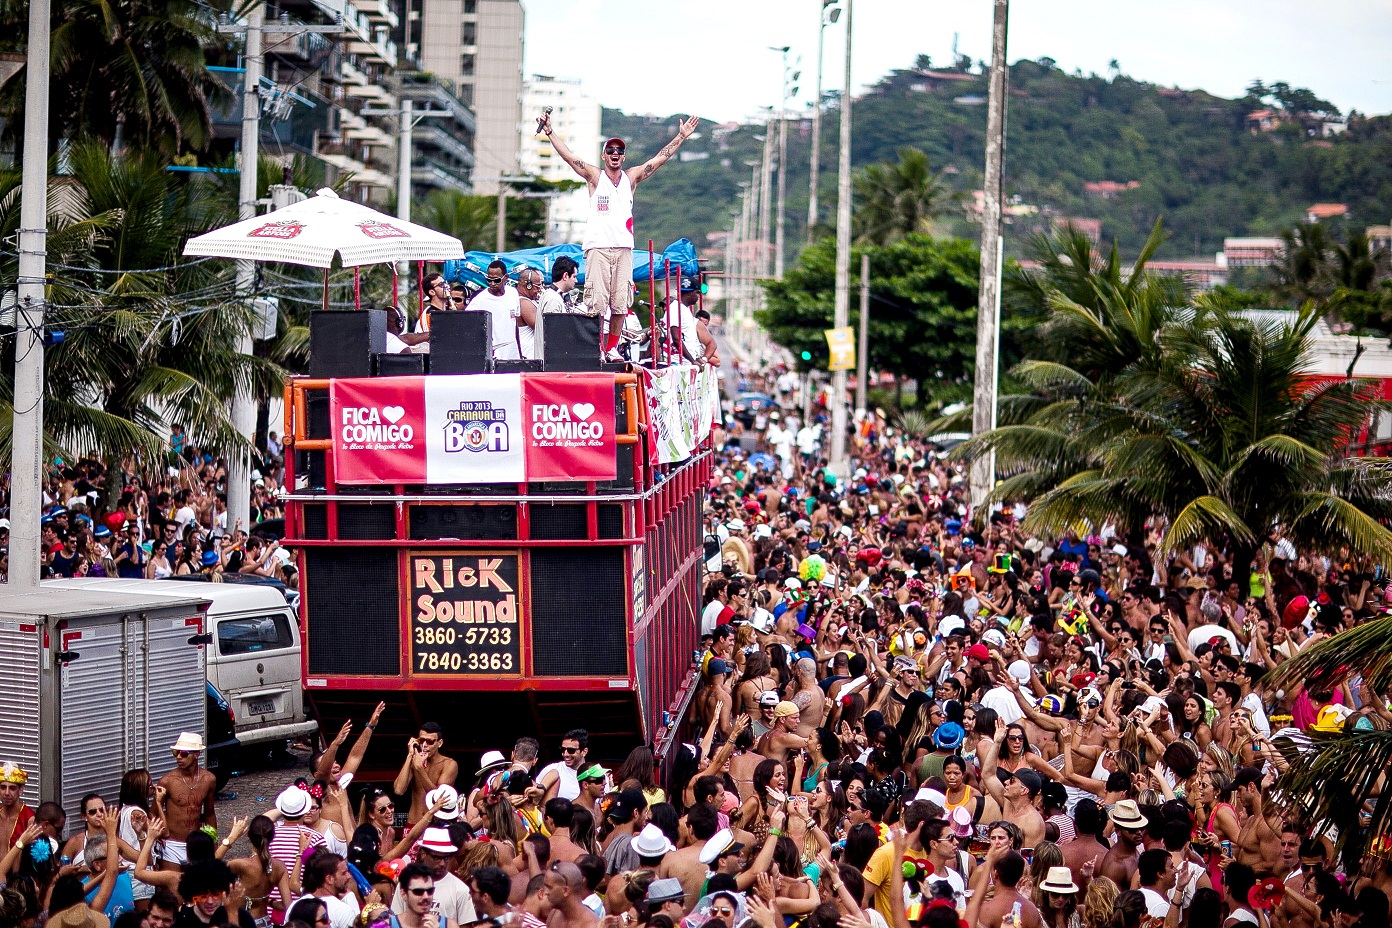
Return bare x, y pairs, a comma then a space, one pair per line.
953, 527
814, 546
81, 517
948, 736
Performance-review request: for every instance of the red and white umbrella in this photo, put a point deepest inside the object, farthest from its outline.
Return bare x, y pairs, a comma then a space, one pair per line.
315, 229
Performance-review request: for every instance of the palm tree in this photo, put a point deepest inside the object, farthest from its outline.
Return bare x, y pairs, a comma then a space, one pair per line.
895, 200
142, 347
1355, 265
1217, 429
1303, 271
469, 218
128, 72
1337, 773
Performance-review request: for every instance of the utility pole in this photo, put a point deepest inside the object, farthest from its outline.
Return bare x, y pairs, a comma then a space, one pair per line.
789, 89
243, 408
406, 119
26, 452
843, 260
983, 469
765, 203
823, 16
863, 349
500, 240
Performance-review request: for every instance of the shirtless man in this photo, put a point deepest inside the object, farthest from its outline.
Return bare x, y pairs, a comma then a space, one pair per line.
1004, 867
424, 768
1225, 697
556, 817
1259, 841
188, 799
809, 697
565, 890
1084, 849
15, 816
609, 230
782, 740
1120, 863
1016, 798
695, 828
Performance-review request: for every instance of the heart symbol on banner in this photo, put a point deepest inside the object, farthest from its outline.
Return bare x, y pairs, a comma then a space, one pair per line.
583, 410
393, 414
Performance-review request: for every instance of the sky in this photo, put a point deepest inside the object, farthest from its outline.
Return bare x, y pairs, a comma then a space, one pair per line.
712, 57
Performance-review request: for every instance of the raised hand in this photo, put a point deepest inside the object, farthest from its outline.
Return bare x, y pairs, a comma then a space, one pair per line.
689, 126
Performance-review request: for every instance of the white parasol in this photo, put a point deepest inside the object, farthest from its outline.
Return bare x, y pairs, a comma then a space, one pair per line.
313, 230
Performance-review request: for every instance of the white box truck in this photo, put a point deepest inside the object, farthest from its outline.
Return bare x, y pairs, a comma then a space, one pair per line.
95, 683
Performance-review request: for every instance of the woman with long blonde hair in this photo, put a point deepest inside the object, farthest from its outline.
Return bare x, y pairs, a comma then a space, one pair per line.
1097, 904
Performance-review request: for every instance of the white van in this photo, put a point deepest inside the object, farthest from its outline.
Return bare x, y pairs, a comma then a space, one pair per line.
253, 654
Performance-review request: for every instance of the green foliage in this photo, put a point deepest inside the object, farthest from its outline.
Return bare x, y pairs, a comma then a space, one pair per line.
923, 296
131, 73
149, 336
895, 200
1197, 162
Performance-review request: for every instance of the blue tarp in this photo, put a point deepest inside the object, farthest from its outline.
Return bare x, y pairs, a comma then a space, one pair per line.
470, 269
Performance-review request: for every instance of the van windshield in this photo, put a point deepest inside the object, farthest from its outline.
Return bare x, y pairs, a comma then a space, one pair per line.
253, 634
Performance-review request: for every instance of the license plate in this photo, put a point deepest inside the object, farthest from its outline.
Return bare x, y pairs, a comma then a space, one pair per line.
261, 706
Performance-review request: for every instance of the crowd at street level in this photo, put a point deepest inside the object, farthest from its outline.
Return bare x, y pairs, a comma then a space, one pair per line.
906, 717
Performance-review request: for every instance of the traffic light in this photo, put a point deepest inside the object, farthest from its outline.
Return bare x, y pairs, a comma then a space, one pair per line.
807, 356
704, 288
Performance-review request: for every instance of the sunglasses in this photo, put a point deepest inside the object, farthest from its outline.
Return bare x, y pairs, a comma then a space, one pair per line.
613, 151
495, 280
181, 753
422, 891
566, 750
723, 910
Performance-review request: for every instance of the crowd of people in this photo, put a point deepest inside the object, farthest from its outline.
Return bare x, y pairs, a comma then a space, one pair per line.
138, 520
909, 714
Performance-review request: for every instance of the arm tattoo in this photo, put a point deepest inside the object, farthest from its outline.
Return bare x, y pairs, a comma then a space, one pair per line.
668, 151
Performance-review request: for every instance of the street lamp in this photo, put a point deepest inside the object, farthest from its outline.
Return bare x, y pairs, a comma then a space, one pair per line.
830, 13
842, 307
789, 90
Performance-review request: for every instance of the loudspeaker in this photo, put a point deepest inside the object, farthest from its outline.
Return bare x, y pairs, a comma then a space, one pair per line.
399, 365
572, 342
353, 604
461, 342
342, 343
472, 523
517, 367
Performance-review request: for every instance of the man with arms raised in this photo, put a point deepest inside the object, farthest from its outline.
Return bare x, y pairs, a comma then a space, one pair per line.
188, 798
609, 232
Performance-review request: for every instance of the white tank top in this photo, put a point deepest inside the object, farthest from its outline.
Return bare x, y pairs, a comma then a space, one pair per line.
504, 309
611, 214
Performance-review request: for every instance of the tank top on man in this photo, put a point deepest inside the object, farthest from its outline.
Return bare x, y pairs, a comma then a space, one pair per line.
504, 309
611, 214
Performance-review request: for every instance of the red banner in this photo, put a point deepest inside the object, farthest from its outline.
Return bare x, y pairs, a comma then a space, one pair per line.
569, 426
379, 432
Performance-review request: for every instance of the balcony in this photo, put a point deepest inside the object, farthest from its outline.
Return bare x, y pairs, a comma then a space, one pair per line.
381, 13
369, 135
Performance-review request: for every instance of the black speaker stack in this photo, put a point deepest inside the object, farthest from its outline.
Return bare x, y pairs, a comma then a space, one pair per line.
461, 342
343, 343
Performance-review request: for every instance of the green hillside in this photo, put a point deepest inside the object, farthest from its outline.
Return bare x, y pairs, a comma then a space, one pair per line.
1192, 156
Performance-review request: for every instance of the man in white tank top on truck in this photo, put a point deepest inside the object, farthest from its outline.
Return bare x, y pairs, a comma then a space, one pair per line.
608, 241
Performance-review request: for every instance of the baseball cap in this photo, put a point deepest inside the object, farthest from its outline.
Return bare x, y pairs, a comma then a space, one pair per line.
979, 651
616, 141
1029, 779
768, 698
595, 772
688, 284
783, 709
716, 666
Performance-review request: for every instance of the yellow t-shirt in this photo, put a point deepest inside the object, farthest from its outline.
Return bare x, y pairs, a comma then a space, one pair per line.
879, 872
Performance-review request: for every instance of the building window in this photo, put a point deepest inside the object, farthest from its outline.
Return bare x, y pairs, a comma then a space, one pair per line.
466, 96
470, 6
466, 65
469, 33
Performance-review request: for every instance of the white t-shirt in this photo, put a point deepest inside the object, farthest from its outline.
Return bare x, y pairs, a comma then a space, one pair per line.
1253, 704
679, 315
710, 614
569, 786
451, 898
342, 912
1157, 906
1003, 702
505, 311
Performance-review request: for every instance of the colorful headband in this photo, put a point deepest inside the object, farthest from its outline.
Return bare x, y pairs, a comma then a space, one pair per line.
10, 772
